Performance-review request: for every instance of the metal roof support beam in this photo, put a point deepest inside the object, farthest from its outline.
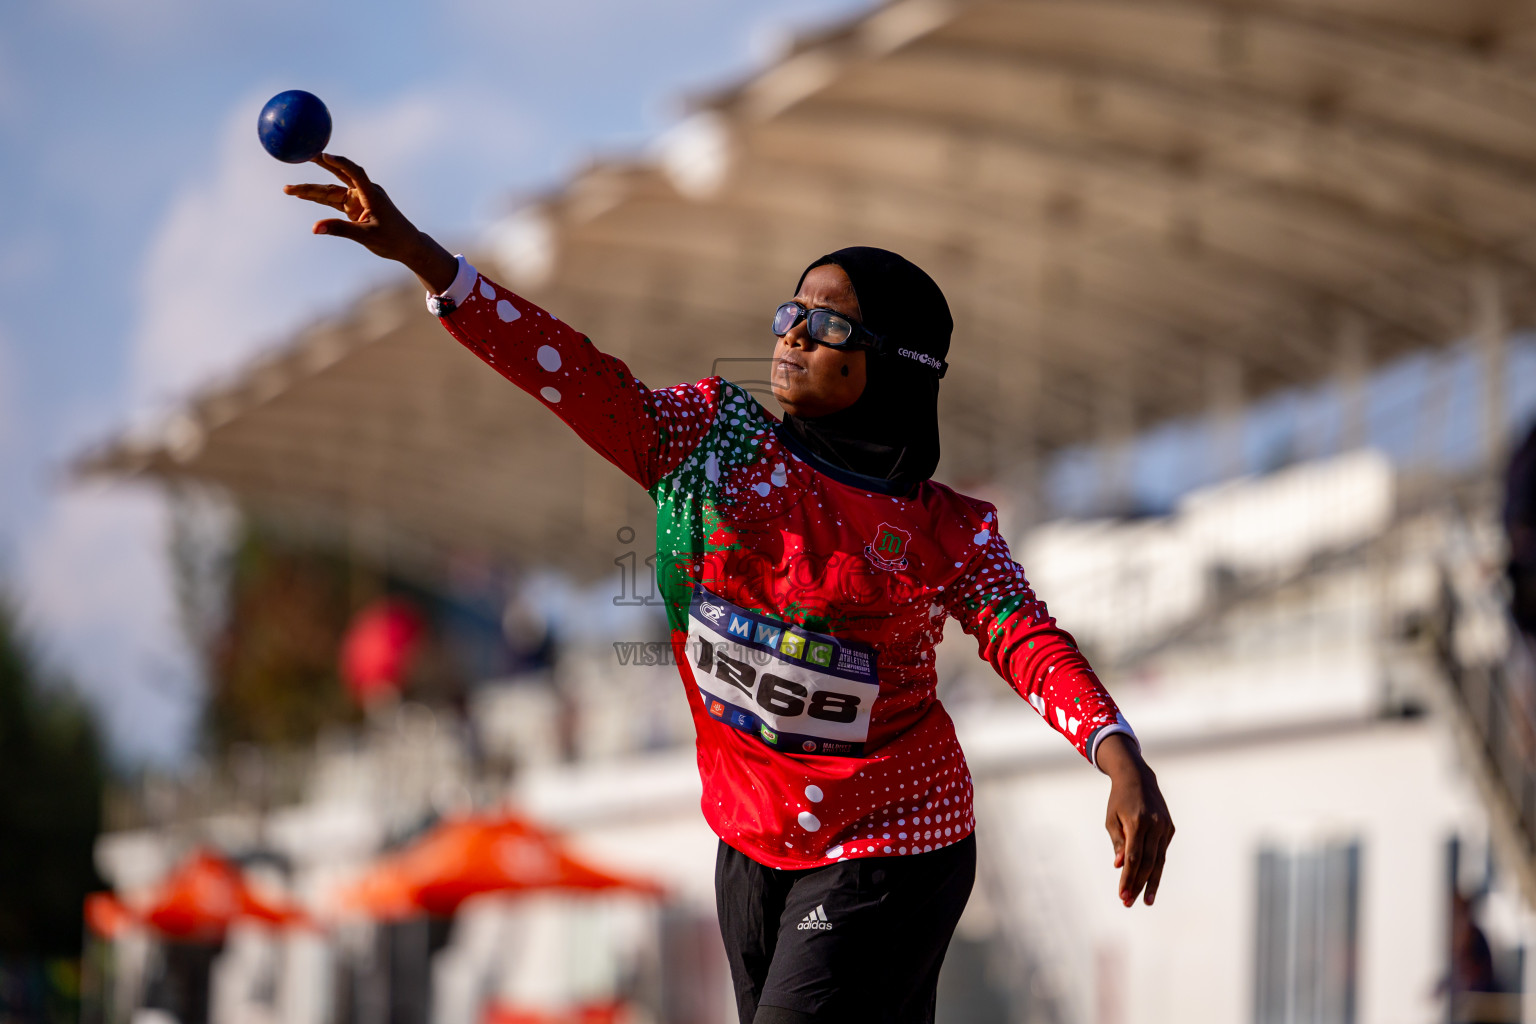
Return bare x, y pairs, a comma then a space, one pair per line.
1115, 411
1015, 443
1224, 395
1490, 327
1352, 360
1434, 410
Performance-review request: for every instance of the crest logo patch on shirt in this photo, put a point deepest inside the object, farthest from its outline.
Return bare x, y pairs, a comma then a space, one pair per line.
888, 550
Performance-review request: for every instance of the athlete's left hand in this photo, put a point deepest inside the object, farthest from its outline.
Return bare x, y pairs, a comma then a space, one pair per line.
1138, 821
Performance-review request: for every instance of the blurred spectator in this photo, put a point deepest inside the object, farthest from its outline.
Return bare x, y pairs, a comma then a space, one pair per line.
1472, 957
1520, 526
531, 642
378, 649
1471, 964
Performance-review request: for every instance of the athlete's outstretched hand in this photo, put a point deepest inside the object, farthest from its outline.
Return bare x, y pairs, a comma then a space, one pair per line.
373, 221
1138, 821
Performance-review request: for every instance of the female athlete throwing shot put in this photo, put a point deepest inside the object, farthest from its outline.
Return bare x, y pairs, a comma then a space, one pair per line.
807, 565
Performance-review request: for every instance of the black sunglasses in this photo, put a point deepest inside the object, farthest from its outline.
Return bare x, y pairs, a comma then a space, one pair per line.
836, 331
824, 326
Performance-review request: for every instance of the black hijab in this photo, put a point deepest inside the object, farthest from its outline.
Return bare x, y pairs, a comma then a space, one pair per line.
888, 439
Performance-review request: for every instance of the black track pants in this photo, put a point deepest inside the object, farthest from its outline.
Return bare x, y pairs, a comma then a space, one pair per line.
857, 940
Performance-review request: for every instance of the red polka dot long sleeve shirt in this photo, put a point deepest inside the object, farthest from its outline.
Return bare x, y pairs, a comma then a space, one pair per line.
804, 610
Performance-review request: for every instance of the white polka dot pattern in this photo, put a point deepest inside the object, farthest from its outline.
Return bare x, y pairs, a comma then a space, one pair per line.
743, 517
645, 433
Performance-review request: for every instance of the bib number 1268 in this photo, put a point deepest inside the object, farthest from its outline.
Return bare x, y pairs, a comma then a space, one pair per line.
783, 698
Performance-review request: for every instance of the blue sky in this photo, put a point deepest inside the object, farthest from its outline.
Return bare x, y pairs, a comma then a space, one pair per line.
145, 246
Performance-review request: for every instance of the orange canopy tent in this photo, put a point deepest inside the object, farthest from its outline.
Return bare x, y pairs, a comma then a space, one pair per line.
198, 902
469, 856
596, 1013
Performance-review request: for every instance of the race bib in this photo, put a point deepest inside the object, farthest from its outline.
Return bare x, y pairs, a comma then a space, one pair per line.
795, 690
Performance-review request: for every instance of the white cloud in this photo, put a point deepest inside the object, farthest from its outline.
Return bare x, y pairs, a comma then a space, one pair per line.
96, 576
234, 265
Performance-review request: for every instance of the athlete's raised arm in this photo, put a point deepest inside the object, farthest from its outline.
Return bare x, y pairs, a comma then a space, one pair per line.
994, 603
645, 433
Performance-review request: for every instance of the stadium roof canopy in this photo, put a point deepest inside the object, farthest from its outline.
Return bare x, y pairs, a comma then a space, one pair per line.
1136, 207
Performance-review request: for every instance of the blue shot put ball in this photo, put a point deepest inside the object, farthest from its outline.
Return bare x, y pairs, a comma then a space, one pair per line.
294, 126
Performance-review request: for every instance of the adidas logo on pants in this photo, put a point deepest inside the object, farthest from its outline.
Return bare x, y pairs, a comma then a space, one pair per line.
815, 921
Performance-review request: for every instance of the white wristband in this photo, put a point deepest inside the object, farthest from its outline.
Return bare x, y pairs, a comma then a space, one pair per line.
1119, 725
457, 292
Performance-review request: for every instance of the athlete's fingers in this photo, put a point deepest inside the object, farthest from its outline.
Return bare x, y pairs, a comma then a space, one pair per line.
315, 191
341, 229
329, 163
1146, 856
1131, 861
1116, 836
326, 195
1156, 877
346, 170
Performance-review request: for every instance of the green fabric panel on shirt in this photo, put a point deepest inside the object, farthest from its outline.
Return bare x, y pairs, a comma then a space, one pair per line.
687, 499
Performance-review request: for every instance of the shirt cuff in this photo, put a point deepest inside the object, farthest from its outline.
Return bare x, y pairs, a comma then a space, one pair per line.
463, 282
1119, 725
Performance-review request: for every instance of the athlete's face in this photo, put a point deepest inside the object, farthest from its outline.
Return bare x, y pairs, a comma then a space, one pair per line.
813, 380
